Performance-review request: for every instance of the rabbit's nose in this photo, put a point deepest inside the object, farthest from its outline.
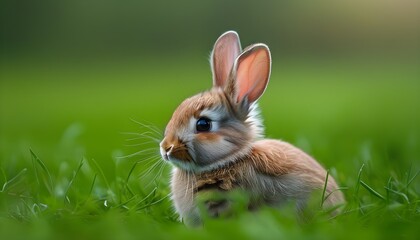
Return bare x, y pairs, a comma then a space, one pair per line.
165, 149
169, 148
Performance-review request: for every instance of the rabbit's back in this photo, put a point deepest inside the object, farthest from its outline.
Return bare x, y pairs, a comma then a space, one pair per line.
284, 171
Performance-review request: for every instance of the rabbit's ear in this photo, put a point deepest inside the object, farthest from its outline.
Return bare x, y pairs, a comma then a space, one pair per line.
226, 49
250, 74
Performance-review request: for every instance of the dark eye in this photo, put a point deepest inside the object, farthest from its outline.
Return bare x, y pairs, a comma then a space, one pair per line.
203, 125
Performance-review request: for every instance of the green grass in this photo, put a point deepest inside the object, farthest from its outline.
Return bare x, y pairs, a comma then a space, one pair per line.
74, 165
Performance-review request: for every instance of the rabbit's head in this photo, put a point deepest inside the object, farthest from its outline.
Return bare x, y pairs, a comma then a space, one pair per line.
217, 127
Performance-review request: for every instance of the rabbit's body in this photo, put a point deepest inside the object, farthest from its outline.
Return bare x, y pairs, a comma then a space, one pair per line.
215, 139
270, 177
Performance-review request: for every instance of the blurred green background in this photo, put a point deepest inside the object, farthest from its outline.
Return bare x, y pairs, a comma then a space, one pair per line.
344, 86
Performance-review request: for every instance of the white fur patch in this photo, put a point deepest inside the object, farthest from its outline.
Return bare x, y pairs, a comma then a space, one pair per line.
255, 121
214, 114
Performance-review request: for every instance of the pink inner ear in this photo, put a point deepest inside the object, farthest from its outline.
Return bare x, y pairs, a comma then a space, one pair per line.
226, 50
253, 74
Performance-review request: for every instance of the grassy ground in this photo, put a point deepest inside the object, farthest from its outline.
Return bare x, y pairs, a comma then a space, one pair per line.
69, 168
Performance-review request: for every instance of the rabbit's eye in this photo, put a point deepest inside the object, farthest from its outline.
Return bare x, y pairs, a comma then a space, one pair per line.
203, 125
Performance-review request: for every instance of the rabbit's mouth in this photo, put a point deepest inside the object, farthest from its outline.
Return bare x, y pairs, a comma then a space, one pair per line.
178, 153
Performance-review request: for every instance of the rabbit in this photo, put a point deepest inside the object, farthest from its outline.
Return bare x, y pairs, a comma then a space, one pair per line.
215, 140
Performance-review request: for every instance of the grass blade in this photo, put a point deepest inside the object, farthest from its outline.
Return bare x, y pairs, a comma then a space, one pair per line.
151, 194
412, 179
101, 172
131, 171
92, 185
325, 188
335, 190
359, 176
9, 182
153, 203
388, 186
49, 184
73, 178
371, 190
404, 196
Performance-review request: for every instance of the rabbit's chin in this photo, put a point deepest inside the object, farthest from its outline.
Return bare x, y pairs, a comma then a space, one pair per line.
186, 166
195, 168
198, 168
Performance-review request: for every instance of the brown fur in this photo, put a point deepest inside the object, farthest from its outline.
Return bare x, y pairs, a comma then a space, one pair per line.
191, 107
287, 173
281, 160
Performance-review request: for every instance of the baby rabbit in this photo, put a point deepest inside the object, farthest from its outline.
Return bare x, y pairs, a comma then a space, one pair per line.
215, 140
